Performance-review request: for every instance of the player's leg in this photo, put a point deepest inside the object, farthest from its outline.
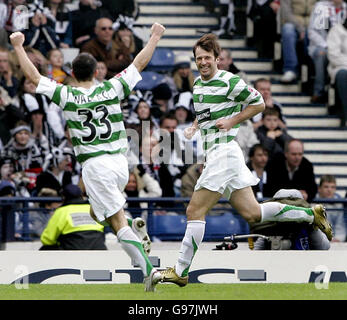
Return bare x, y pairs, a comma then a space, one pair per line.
244, 202
200, 204
133, 247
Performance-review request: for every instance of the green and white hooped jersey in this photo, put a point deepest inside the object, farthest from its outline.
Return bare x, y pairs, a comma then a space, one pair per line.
221, 97
94, 116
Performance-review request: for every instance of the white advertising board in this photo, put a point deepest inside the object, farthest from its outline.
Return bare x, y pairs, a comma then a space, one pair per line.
78, 267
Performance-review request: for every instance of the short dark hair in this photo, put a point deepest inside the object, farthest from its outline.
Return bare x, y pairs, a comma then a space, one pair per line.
256, 82
169, 115
327, 178
255, 147
208, 42
270, 112
84, 66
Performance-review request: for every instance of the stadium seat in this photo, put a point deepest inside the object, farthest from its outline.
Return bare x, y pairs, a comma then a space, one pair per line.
168, 227
173, 227
162, 60
149, 80
218, 227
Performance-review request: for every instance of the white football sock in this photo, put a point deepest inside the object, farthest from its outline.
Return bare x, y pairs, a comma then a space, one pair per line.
192, 238
276, 211
133, 247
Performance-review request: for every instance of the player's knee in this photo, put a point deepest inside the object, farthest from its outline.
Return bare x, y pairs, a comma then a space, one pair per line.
194, 213
251, 215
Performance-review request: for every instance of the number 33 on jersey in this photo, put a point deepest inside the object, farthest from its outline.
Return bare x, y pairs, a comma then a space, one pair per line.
94, 116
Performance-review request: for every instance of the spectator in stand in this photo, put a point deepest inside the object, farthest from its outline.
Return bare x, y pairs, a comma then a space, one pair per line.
39, 219
34, 106
23, 149
149, 152
27, 155
171, 147
7, 79
9, 115
56, 69
226, 19
9, 15
71, 227
57, 171
337, 68
263, 13
102, 72
270, 135
292, 170
182, 73
63, 21
37, 58
335, 213
84, 20
125, 40
324, 16
225, 62
140, 117
140, 185
295, 15
263, 85
258, 160
41, 34
162, 100
246, 138
192, 148
127, 8
103, 48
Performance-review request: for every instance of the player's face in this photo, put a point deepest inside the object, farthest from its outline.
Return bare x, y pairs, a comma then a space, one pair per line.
327, 190
206, 63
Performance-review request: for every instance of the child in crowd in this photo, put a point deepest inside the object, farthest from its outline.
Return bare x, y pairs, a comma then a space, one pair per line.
327, 190
270, 135
56, 69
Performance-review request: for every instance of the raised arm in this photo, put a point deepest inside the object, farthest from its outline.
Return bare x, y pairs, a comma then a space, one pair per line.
28, 68
145, 55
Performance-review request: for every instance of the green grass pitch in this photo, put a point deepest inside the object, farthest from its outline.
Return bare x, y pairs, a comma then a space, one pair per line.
245, 291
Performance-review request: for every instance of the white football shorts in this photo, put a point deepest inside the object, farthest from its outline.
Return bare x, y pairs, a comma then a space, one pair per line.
225, 170
105, 178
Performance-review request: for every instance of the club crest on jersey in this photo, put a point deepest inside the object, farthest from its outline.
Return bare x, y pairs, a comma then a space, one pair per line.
201, 98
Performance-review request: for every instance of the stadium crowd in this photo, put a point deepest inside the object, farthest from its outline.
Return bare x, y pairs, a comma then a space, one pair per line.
36, 152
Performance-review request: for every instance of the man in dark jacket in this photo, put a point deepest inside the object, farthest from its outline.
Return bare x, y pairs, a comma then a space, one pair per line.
292, 170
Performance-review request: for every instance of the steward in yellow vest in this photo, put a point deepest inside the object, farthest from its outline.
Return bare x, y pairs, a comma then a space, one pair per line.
71, 226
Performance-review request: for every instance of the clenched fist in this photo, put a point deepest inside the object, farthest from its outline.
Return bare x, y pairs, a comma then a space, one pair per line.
17, 39
189, 132
157, 29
